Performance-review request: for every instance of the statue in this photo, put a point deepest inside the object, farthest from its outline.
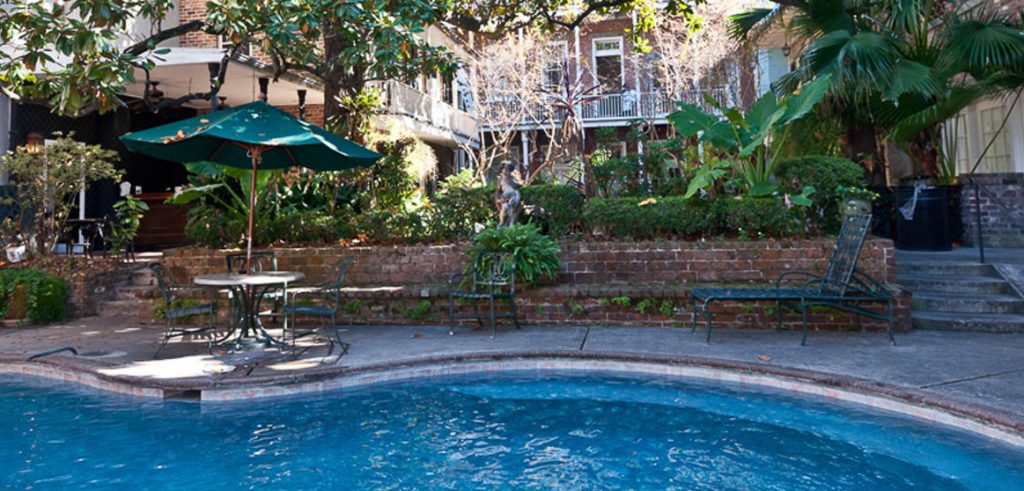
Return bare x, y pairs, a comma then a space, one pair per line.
509, 201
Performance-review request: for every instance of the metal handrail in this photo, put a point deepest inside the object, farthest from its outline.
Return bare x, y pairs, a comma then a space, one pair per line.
53, 352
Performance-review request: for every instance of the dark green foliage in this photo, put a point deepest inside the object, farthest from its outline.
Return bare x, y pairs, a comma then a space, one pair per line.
683, 218
391, 226
535, 255
560, 206
826, 174
751, 217
47, 294
457, 210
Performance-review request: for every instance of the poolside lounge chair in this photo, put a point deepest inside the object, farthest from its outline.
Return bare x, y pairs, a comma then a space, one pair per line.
173, 310
329, 295
492, 278
842, 286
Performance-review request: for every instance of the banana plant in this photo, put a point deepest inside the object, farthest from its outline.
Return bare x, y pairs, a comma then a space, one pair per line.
752, 137
212, 183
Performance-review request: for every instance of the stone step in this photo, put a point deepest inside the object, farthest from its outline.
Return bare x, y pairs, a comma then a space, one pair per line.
945, 269
956, 284
135, 292
143, 277
117, 308
966, 302
941, 321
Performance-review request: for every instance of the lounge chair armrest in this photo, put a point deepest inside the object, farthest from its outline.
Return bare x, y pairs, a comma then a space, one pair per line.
868, 284
783, 276
815, 285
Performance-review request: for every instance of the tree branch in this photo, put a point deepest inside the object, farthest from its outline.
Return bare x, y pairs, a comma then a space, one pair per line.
179, 30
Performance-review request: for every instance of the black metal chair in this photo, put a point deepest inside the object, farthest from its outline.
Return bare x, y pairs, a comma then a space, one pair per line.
492, 277
261, 261
842, 286
322, 301
91, 231
178, 307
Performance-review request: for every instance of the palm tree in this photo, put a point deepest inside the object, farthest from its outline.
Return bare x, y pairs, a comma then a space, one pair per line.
902, 67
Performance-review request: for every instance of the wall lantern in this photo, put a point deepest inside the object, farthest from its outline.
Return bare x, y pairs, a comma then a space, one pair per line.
786, 50
34, 142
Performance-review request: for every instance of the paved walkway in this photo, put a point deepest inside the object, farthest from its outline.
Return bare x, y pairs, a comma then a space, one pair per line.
976, 370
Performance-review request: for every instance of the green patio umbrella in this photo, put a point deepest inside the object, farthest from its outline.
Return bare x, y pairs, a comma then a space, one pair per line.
254, 136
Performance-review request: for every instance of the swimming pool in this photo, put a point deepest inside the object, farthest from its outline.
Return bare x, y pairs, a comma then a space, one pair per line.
552, 430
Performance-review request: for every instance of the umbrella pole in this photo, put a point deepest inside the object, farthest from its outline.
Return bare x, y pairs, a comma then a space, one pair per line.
256, 156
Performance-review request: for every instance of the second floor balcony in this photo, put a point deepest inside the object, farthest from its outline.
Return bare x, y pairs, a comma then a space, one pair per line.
441, 117
604, 109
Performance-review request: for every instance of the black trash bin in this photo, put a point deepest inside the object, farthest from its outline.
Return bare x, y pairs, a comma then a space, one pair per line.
928, 229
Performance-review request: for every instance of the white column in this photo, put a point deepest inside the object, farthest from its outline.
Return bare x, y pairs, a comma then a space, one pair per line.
5, 131
526, 150
576, 50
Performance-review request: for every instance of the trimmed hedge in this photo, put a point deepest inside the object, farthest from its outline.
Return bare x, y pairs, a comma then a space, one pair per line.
561, 206
825, 174
457, 210
678, 217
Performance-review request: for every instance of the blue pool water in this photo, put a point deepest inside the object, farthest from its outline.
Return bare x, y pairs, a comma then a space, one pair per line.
514, 431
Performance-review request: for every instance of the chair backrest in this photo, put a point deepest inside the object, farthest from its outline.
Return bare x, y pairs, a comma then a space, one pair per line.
495, 268
845, 253
162, 280
261, 261
340, 270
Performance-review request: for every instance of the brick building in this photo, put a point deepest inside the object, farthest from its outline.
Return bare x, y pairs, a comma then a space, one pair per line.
427, 108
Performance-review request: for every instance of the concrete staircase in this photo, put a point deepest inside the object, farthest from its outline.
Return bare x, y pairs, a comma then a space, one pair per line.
127, 299
960, 296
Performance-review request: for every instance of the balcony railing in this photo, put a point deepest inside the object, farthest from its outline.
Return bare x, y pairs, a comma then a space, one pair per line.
611, 107
407, 101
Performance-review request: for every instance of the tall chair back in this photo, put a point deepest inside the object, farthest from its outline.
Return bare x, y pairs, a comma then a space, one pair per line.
847, 249
261, 261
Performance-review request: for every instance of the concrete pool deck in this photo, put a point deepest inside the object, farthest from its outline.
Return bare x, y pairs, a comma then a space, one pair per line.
979, 376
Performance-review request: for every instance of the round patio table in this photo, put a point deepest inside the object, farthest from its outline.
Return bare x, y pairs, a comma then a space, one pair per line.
248, 290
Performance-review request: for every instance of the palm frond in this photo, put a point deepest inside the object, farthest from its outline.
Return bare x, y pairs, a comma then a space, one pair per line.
955, 101
858, 63
912, 77
984, 46
742, 23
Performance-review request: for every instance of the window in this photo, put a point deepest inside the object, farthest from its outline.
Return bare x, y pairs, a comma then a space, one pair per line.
608, 65
963, 156
997, 159
557, 55
448, 89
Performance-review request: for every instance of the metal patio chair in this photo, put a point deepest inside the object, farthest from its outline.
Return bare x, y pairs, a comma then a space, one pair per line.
175, 310
324, 302
842, 286
492, 277
261, 261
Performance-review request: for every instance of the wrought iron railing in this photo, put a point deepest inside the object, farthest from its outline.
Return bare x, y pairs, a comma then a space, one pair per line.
629, 105
407, 101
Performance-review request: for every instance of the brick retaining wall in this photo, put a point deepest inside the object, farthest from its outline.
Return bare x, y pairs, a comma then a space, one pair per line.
1002, 224
388, 282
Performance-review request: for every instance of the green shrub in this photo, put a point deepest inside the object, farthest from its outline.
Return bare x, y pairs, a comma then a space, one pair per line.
47, 294
686, 218
649, 218
535, 255
457, 210
825, 174
560, 205
391, 226
749, 217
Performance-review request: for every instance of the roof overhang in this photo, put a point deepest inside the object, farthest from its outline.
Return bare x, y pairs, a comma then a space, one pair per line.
183, 71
